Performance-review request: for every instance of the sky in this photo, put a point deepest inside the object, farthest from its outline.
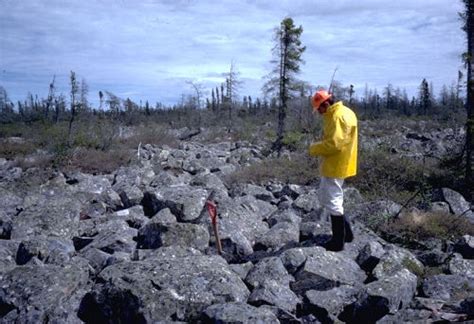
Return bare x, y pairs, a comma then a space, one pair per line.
151, 49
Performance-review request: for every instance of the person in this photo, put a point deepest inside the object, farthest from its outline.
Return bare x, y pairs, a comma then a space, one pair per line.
338, 150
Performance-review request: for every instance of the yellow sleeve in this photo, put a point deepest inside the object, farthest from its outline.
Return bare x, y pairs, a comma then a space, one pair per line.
333, 140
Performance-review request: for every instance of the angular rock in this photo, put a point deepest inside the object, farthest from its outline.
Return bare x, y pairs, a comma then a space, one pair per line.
459, 266
385, 296
155, 235
185, 202
41, 294
328, 304
8, 250
134, 216
396, 259
324, 270
164, 216
287, 215
114, 236
241, 269
238, 313
457, 203
268, 268
165, 289
273, 292
166, 252
308, 202
278, 236
370, 255
53, 213
208, 181
47, 249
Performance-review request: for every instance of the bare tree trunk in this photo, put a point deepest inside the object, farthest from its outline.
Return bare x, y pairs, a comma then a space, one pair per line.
470, 94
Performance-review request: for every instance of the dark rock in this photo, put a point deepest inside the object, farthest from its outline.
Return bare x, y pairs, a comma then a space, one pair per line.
155, 235
465, 246
185, 202
97, 259
432, 258
292, 191
238, 313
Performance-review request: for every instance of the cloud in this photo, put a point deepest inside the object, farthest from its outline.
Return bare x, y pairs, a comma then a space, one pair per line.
149, 49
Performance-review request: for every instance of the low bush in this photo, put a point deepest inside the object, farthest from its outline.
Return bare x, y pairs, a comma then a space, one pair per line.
418, 226
297, 169
96, 161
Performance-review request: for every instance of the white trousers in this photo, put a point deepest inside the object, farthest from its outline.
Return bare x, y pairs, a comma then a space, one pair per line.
331, 195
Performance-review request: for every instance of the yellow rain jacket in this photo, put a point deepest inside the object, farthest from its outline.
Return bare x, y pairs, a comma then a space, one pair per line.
338, 147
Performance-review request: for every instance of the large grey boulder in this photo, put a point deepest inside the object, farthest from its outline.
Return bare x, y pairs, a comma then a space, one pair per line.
396, 259
273, 292
286, 215
52, 212
308, 202
134, 216
42, 294
459, 266
384, 296
53, 250
457, 203
324, 270
163, 289
268, 268
238, 313
370, 255
327, 305
185, 202
155, 235
279, 235
114, 236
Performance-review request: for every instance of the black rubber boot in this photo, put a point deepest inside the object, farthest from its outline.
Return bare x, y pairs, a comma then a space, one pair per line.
349, 236
336, 243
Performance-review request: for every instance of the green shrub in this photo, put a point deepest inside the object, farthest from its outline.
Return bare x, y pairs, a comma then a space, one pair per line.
297, 169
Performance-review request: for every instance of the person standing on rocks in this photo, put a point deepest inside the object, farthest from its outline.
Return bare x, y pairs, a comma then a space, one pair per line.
338, 150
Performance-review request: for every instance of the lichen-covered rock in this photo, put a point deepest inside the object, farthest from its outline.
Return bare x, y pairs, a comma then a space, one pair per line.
286, 215
460, 266
53, 250
308, 202
268, 268
328, 304
457, 203
114, 236
395, 259
134, 216
238, 313
324, 270
384, 296
8, 250
370, 255
31, 294
273, 292
279, 235
185, 202
164, 289
155, 235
